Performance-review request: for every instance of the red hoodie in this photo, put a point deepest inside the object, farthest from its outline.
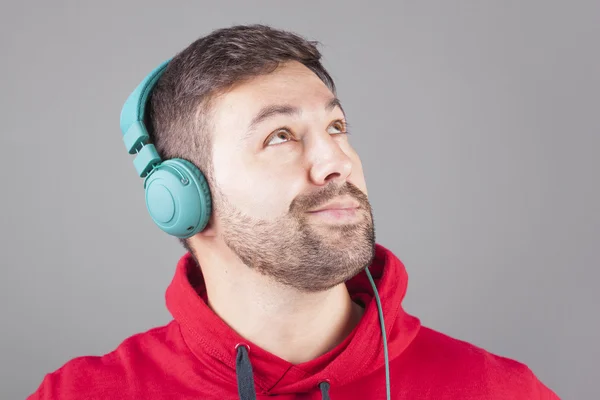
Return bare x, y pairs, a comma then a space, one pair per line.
194, 356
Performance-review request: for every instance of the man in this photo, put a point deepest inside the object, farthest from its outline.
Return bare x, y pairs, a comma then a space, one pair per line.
283, 292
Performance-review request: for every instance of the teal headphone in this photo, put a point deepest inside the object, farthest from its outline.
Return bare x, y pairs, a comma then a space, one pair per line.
177, 194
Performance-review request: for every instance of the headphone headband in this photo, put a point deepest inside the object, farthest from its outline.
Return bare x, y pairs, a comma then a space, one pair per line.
135, 134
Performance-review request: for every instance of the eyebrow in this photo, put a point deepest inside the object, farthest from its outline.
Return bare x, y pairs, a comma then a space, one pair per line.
285, 109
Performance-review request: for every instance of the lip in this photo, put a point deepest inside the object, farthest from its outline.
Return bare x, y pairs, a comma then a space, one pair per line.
335, 215
338, 205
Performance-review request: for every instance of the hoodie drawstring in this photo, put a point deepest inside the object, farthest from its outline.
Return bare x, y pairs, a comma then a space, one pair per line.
245, 376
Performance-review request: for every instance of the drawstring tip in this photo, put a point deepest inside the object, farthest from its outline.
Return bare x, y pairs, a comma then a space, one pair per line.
324, 386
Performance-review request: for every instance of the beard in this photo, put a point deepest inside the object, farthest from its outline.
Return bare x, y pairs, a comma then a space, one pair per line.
296, 252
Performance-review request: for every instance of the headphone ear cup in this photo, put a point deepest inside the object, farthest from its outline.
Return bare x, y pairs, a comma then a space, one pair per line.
178, 198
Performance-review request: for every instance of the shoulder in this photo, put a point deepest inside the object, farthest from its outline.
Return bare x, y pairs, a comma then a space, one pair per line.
456, 360
439, 348
107, 376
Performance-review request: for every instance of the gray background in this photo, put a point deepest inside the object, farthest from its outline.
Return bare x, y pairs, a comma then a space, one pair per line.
477, 123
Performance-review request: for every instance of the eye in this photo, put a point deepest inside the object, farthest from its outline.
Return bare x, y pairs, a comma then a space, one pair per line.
338, 127
284, 135
279, 137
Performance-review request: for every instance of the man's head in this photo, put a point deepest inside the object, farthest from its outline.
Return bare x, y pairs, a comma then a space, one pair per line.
256, 111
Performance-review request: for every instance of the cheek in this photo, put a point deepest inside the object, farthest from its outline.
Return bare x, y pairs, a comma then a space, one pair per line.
357, 176
264, 194
358, 179
272, 198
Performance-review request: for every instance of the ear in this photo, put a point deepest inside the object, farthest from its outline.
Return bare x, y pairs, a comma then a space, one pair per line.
210, 230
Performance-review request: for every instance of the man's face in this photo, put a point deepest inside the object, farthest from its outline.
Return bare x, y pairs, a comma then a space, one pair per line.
280, 151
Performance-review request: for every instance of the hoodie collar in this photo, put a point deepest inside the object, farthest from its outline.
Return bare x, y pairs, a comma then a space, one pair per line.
212, 341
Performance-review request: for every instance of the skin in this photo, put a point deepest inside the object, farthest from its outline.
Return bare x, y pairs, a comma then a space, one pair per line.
274, 272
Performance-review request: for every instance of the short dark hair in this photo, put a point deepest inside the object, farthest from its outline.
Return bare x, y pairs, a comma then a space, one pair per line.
178, 117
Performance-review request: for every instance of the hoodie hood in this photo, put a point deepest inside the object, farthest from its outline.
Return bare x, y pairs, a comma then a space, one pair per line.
215, 344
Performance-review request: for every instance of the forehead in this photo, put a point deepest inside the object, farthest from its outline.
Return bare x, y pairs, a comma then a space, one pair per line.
290, 84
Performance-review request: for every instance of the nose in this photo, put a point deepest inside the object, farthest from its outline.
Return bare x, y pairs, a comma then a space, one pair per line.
329, 161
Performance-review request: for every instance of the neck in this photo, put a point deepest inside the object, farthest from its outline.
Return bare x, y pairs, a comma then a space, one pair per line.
292, 325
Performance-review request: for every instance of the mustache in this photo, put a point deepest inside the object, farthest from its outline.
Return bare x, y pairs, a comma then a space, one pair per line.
323, 195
